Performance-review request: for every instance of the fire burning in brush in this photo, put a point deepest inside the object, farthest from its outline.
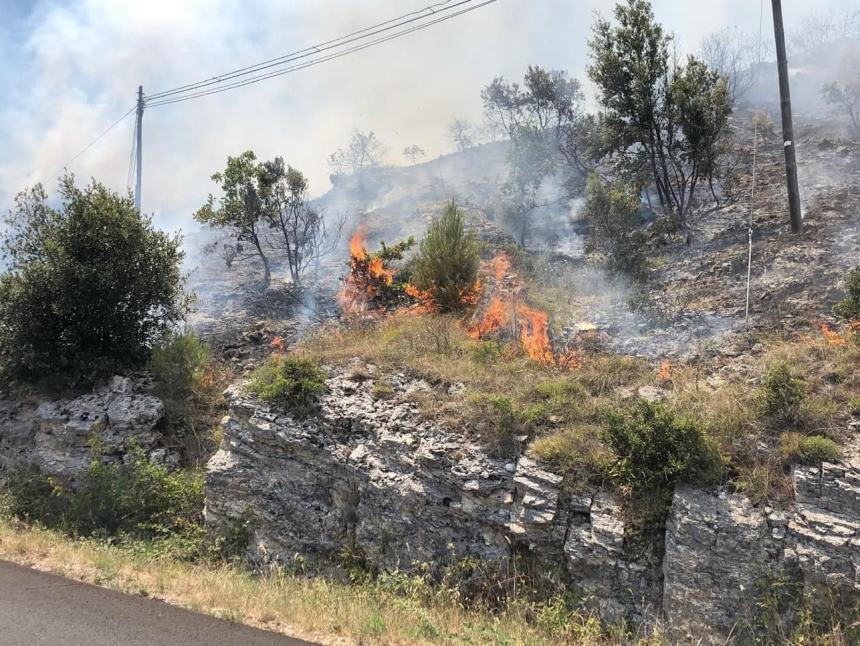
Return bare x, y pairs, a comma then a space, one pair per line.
832, 337
367, 280
529, 323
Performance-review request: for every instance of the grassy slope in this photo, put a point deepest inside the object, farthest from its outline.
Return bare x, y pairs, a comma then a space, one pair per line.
562, 412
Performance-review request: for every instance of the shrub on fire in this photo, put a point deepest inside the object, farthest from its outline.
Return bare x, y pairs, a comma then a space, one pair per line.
373, 281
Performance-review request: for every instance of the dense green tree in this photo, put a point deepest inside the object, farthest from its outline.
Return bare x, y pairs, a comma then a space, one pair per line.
240, 210
447, 261
660, 120
90, 286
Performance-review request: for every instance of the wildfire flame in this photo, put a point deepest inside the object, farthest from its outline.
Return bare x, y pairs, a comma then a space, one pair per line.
533, 327
832, 336
665, 371
367, 275
495, 316
277, 345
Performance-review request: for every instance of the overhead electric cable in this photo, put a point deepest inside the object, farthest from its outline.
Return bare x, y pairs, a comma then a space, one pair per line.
316, 49
317, 61
92, 143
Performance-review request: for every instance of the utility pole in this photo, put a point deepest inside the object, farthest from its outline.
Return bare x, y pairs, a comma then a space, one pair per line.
787, 128
139, 147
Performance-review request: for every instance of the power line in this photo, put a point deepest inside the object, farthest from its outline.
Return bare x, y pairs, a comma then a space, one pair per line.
322, 59
316, 49
92, 143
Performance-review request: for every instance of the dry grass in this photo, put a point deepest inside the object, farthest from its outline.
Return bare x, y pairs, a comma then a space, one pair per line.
562, 412
313, 608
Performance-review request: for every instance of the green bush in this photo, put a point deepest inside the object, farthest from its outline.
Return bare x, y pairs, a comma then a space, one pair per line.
612, 214
89, 287
180, 367
782, 394
178, 363
849, 307
447, 260
134, 498
292, 382
807, 449
655, 450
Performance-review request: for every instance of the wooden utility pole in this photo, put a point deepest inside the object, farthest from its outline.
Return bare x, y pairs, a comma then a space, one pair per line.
787, 128
139, 148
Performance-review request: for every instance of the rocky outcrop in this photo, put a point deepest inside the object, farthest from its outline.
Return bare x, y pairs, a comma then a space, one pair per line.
370, 472
57, 435
722, 554
619, 581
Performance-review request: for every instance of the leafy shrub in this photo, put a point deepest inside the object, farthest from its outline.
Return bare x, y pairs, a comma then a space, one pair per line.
178, 364
782, 394
654, 450
292, 382
447, 260
133, 498
137, 498
849, 307
32, 496
612, 213
486, 352
808, 449
188, 384
89, 289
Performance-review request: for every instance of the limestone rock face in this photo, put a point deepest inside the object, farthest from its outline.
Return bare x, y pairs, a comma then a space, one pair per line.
721, 552
620, 582
56, 435
717, 548
374, 474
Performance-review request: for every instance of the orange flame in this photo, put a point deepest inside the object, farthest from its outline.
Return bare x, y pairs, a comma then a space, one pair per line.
358, 244
832, 336
495, 316
277, 345
534, 334
665, 371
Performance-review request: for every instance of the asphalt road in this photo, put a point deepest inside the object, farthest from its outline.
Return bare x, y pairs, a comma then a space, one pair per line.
39, 608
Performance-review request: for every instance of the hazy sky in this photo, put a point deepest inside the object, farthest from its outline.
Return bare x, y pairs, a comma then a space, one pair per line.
69, 69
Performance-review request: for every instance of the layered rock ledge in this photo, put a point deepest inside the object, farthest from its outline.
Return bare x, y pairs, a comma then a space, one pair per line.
372, 473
